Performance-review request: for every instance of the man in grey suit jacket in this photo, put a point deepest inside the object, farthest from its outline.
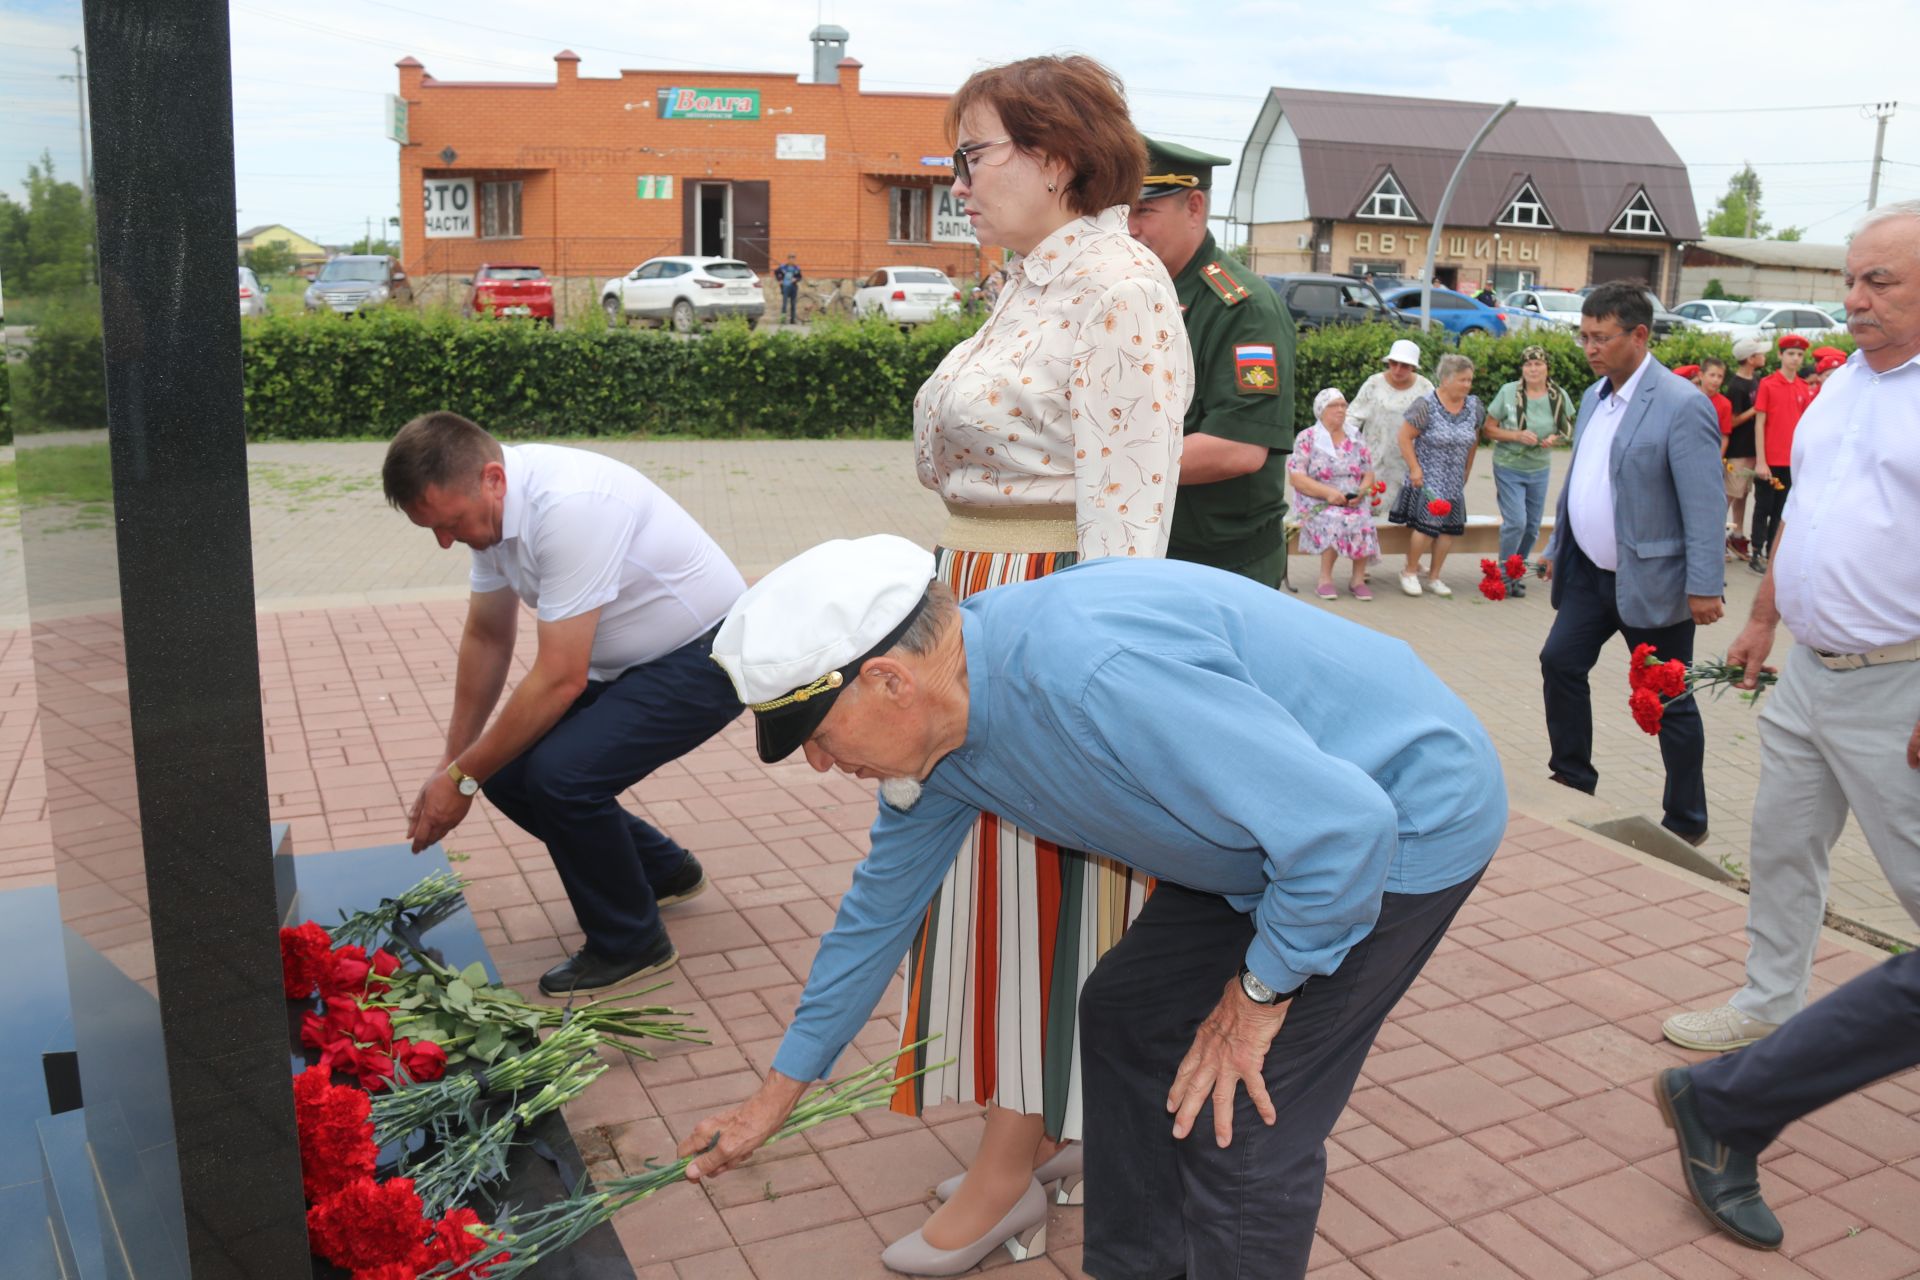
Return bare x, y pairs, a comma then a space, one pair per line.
1637, 548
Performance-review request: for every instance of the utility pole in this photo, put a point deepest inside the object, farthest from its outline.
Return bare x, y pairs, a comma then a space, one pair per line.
1881, 112
79, 78
1752, 195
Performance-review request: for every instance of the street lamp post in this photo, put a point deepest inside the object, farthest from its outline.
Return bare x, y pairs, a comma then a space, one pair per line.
1440, 214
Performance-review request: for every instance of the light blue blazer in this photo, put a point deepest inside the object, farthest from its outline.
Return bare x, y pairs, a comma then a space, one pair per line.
1669, 500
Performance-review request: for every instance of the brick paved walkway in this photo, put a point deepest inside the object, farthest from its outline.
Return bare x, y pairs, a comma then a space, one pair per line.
1502, 1128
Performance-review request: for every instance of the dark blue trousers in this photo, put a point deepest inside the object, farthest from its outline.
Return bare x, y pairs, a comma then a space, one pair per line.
1159, 1208
1588, 617
565, 788
1863, 1032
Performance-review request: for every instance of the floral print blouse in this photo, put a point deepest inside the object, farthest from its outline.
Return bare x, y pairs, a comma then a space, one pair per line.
1072, 394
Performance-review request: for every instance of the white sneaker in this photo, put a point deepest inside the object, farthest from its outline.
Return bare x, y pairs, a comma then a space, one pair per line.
1439, 588
1715, 1030
1410, 583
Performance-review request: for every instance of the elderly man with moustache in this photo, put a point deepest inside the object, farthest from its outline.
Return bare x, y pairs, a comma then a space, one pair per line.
1281, 933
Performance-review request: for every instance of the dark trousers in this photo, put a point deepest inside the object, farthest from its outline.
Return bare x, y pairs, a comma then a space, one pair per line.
1588, 617
1769, 504
790, 305
1159, 1208
1863, 1032
565, 788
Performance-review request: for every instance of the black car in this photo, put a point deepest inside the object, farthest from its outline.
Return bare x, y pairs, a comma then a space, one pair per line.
1316, 300
1664, 321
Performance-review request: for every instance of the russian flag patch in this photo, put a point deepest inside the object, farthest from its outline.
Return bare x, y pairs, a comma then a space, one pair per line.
1255, 369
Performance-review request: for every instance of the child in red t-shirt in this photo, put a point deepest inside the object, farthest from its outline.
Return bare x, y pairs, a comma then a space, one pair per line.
1778, 403
1713, 375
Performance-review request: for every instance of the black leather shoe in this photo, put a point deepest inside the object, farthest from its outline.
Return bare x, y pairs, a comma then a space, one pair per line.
690, 881
1725, 1183
1694, 838
1517, 589
1569, 783
588, 970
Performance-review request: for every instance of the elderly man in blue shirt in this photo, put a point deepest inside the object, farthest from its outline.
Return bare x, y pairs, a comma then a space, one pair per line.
1313, 834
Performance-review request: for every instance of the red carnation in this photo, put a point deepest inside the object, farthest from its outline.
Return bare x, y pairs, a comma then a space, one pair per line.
1637, 665
422, 1060
368, 1224
1516, 566
1439, 507
457, 1237
1488, 569
303, 958
1647, 710
336, 1137
1379, 486
1493, 588
1668, 680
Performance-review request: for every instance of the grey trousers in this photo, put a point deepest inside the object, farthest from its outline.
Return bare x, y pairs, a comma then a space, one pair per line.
1830, 741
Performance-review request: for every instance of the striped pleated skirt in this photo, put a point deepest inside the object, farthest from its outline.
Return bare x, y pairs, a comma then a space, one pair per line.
1015, 929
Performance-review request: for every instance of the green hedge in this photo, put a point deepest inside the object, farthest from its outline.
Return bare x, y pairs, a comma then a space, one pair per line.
315, 377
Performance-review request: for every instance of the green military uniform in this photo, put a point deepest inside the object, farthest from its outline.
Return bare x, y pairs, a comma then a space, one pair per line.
1243, 347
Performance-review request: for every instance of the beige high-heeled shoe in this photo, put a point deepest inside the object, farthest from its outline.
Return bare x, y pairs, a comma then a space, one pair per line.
1023, 1232
1061, 1177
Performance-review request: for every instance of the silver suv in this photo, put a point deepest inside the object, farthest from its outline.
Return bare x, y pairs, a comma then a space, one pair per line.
352, 281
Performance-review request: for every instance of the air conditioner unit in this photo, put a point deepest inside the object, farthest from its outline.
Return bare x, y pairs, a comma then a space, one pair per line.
1302, 241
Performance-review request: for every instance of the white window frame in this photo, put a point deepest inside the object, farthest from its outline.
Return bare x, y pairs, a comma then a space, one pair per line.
491, 194
917, 218
1388, 194
1526, 209
1638, 218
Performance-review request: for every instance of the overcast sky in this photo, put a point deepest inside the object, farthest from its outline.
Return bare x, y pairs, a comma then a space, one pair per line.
309, 80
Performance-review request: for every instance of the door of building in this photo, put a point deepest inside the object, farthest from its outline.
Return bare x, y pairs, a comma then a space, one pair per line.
750, 216
1635, 268
1447, 277
713, 228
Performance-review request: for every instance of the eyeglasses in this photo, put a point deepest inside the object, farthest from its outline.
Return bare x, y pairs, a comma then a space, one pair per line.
962, 158
1588, 341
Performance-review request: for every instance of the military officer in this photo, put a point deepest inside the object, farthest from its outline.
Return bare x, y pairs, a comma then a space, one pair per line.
1240, 424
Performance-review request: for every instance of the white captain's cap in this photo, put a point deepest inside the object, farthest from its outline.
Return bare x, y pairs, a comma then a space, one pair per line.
800, 634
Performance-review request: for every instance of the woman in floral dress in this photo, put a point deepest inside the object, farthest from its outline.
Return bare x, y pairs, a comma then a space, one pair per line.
1437, 441
1333, 474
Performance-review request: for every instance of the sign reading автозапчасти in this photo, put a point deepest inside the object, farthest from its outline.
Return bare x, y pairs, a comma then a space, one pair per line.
709, 104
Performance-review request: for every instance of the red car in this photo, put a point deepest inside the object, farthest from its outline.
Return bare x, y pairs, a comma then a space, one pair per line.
510, 289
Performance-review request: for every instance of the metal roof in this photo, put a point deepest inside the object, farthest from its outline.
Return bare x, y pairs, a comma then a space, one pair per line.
1585, 165
1778, 253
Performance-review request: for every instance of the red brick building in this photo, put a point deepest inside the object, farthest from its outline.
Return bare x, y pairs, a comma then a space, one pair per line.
590, 176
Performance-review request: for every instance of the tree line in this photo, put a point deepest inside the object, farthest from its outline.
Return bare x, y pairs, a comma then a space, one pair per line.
46, 244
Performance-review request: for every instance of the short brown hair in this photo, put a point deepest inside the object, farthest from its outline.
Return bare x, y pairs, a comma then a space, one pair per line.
436, 450
1069, 109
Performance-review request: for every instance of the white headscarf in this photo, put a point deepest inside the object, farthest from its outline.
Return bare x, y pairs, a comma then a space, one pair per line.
1325, 398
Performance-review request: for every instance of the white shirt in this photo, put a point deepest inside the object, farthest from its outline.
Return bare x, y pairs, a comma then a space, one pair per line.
1072, 394
1846, 579
1590, 485
580, 531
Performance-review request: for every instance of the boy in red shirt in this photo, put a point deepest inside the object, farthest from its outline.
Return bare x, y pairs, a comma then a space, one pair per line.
1713, 374
1777, 405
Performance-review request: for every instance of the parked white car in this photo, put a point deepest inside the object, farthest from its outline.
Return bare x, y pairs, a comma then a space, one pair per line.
1772, 319
906, 295
1708, 310
1543, 309
683, 292
253, 294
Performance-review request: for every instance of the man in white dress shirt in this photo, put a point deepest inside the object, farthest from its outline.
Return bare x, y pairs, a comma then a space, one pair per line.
1842, 730
1638, 546
628, 591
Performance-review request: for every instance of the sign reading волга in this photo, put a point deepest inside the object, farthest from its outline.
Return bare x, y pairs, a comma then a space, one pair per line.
449, 207
709, 104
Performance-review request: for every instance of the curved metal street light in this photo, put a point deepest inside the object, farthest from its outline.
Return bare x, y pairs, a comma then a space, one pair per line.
1440, 214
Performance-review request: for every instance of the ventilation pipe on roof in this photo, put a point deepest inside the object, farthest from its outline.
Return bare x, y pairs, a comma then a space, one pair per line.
1440, 215
829, 46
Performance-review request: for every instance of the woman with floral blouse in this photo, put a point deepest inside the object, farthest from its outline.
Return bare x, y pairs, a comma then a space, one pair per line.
1333, 474
1052, 435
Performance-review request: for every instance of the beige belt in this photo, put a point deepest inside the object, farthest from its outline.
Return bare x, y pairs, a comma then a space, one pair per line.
1009, 530
1908, 652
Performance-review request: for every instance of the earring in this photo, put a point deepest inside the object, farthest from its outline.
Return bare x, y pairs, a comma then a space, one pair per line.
1050, 186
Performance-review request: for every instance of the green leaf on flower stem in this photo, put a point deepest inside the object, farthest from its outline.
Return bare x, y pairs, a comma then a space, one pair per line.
459, 995
474, 975
413, 1001
488, 1043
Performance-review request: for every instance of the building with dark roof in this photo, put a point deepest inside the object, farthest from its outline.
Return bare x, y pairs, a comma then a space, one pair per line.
1553, 199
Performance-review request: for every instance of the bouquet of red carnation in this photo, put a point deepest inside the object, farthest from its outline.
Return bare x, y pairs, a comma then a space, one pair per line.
1653, 684
1438, 508
1495, 575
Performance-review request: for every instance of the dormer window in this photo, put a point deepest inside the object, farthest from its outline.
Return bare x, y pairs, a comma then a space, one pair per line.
1638, 218
1388, 201
1526, 210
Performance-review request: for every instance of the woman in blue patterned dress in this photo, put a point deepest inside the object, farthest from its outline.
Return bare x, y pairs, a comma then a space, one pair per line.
1437, 441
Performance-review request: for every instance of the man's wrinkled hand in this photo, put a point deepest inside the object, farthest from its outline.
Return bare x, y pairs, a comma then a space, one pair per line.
1750, 651
1913, 748
1707, 610
1229, 1050
729, 1138
438, 809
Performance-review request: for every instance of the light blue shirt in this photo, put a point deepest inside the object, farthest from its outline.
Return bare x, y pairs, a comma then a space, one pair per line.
1202, 728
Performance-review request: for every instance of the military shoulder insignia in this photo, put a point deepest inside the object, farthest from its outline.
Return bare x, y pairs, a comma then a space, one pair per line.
1231, 291
1255, 369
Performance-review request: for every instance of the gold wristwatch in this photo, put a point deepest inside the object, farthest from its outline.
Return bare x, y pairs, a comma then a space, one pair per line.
468, 785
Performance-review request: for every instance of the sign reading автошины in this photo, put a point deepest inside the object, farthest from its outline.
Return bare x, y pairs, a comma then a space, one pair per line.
709, 104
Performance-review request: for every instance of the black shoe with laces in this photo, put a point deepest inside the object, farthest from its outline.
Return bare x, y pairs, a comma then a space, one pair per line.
588, 970
690, 881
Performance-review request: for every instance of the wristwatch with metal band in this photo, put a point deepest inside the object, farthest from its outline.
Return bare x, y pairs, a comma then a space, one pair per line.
468, 785
1259, 992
